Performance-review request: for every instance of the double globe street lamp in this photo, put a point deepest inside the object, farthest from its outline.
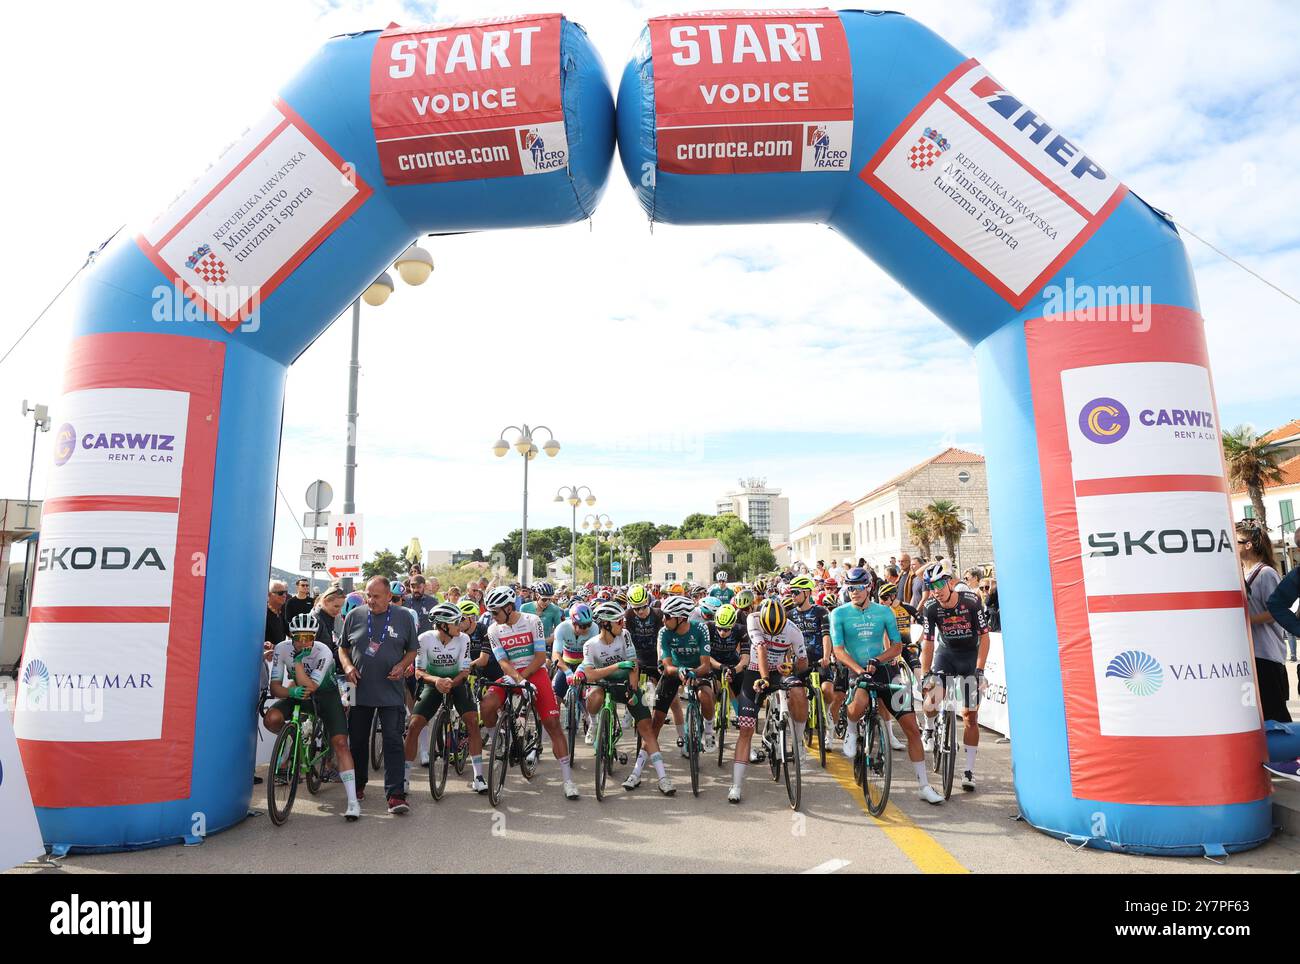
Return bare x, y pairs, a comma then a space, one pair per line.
597, 522
573, 495
526, 447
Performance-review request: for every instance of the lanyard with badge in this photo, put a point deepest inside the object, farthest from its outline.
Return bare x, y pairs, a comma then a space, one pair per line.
373, 648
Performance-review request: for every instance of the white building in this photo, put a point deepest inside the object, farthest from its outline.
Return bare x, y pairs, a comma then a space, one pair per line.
1280, 499
687, 560
19, 524
765, 510
826, 537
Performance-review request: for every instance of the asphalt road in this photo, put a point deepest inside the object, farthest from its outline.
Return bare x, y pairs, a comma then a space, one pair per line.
536, 831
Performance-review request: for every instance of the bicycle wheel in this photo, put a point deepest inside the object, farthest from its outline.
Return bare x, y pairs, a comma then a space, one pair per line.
950, 751
460, 734
694, 742
439, 751
790, 765
820, 702
877, 767
771, 742
720, 724
376, 744
284, 759
572, 721
936, 741
499, 757
532, 741
603, 750
859, 753
316, 758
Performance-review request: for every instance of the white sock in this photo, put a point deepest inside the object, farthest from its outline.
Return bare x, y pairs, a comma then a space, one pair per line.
738, 774
657, 761
477, 763
425, 734
410, 765
349, 780
640, 763
922, 778
970, 758
798, 731
565, 770
708, 727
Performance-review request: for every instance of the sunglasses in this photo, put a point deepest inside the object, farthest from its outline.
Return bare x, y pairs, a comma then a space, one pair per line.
939, 584
279, 592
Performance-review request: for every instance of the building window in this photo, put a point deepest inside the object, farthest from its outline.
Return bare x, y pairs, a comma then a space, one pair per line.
860, 539
690, 575
670, 557
835, 541
963, 476
1288, 515
891, 525
1250, 511
670, 576
690, 557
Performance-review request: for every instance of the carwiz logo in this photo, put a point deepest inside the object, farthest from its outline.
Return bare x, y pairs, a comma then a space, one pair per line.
121, 446
36, 677
1140, 672
65, 443
1104, 420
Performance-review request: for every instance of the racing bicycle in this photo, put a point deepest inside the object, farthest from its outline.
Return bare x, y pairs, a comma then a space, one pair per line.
301, 748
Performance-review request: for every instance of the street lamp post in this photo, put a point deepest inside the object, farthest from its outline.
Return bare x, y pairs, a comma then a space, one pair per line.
40, 421
597, 520
573, 497
414, 267
525, 447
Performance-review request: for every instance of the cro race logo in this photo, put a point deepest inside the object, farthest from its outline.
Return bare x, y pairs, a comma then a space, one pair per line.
1140, 672
1104, 420
65, 443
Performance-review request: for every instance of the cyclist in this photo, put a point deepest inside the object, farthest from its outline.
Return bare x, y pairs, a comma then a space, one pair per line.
961, 624
683, 654
814, 621
721, 591
775, 643
520, 650
644, 620
566, 651
443, 666
708, 609
611, 655
310, 666
728, 647
906, 616
544, 608
859, 631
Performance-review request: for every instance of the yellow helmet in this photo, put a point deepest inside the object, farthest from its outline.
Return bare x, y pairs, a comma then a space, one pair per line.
772, 617
638, 595
726, 617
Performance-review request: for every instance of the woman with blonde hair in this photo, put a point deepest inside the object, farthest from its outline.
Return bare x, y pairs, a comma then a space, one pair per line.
1260, 569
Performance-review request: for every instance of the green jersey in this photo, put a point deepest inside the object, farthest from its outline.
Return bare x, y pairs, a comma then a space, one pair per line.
685, 650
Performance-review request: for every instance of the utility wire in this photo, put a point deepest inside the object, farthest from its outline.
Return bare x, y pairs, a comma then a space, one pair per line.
1225, 255
290, 508
90, 259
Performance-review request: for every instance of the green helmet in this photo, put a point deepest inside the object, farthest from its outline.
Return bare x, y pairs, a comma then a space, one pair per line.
726, 617
802, 584
743, 599
638, 595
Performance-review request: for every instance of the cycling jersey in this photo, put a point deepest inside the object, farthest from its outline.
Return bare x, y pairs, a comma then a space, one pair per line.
786, 647
684, 650
517, 644
645, 634
726, 649
442, 659
904, 614
569, 642
862, 631
319, 662
725, 593
551, 616
815, 623
597, 654
960, 627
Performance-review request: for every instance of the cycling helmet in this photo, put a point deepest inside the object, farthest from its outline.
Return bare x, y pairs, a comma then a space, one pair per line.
446, 613
304, 623
888, 590
638, 596
678, 607
743, 599
831, 583
727, 617
621, 599
607, 612
830, 600
544, 589
469, 608
397, 589
934, 572
722, 575
676, 589
499, 597
697, 591
858, 577
802, 584
354, 600
709, 606
580, 613
772, 617
787, 602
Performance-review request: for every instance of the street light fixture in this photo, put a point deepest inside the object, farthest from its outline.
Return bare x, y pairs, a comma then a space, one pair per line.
525, 447
414, 265
597, 521
374, 295
574, 497
40, 420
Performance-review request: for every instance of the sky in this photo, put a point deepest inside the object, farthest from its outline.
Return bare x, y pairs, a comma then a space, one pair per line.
644, 362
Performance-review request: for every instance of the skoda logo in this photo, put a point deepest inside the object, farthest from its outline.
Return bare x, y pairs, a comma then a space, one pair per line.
1104, 420
65, 443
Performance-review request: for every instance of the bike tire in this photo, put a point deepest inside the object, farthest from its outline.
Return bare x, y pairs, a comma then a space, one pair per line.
821, 728
462, 745
376, 744
694, 741
720, 726
572, 716
279, 800
499, 756
950, 759
791, 765
936, 741
772, 748
532, 743
316, 754
603, 750
877, 767
438, 752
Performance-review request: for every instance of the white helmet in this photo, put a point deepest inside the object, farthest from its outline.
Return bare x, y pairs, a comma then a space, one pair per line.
678, 606
304, 623
934, 572
722, 575
499, 597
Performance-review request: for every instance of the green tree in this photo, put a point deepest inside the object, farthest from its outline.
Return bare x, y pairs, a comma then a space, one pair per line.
945, 523
384, 563
477, 556
1253, 464
918, 530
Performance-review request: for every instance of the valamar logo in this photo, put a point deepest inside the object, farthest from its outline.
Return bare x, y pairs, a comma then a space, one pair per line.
1140, 672
1104, 420
65, 443
36, 677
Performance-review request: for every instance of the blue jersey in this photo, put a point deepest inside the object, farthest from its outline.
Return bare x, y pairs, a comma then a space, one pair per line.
862, 631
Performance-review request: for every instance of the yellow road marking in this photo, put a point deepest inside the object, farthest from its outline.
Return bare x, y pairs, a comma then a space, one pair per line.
923, 850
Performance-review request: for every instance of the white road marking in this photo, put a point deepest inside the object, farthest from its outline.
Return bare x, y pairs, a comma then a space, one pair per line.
829, 867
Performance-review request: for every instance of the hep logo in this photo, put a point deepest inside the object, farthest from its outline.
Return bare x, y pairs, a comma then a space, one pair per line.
65, 443
1104, 420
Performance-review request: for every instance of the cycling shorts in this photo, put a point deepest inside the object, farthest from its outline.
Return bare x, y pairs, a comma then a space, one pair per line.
548, 708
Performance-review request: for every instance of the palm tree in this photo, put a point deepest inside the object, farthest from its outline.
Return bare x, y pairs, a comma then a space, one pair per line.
918, 530
1252, 463
946, 524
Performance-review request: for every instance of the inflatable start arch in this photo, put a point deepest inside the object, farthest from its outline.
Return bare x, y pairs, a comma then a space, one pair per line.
1127, 650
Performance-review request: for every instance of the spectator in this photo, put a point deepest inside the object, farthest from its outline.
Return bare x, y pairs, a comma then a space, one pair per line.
301, 602
1261, 581
422, 602
1281, 605
453, 594
904, 579
277, 626
434, 586
918, 584
328, 606
991, 604
837, 571
377, 645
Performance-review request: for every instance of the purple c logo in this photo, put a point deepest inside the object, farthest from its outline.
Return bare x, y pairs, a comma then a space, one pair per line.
1104, 420
65, 443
